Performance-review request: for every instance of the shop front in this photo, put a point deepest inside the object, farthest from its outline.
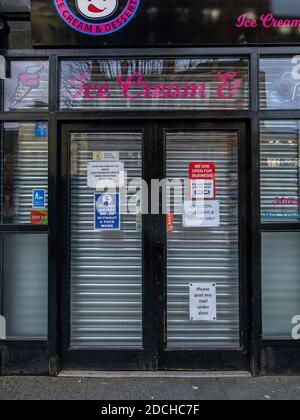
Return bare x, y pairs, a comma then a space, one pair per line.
150, 187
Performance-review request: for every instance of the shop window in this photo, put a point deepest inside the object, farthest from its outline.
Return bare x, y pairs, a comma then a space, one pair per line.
27, 86
280, 145
281, 283
280, 83
25, 280
25, 173
155, 84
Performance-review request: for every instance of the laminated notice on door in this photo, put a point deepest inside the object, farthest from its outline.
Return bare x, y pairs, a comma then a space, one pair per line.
102, 175
203, 302
201, 214
202, 180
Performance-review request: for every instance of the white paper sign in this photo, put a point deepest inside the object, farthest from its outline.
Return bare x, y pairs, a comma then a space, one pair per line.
201, 213
97, 172
203, 302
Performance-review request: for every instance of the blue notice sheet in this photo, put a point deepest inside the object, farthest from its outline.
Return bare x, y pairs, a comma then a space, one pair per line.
107, 212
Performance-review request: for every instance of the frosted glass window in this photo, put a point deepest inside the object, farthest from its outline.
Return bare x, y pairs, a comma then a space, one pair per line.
27, 86
281, 283
279, 88
25, 284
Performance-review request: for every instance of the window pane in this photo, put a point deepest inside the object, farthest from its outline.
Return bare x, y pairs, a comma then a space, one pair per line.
281, 283
151, 84
25, 173
280, 142
27, 87
280, 83
25, 283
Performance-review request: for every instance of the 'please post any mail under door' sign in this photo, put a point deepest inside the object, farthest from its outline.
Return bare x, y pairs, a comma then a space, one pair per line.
203, 302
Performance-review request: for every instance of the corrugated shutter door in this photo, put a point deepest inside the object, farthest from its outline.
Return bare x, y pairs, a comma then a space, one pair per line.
280, 171
106, 267
205, 254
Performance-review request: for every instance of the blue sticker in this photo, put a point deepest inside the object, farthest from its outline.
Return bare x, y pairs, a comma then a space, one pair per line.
41, 130
38, 199
107, 212
280, 215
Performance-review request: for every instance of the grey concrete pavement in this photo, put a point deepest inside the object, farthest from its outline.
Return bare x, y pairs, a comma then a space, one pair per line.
197, 389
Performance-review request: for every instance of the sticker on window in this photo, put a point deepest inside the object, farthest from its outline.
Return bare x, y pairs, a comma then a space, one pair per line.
201, 214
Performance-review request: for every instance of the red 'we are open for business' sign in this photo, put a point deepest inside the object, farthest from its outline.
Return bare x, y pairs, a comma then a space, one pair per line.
202, 177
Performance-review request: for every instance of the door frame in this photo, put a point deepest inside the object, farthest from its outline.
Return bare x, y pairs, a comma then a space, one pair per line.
155, 356
212, 359
107, 359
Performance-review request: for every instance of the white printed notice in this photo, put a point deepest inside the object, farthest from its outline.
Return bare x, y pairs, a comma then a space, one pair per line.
201, 214
98, 173
203, 302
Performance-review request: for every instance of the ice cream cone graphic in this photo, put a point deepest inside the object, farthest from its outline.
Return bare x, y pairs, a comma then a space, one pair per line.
27, 81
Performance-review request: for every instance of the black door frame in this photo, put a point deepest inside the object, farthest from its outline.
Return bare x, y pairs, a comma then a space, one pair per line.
108, 359
155, 356
212, 359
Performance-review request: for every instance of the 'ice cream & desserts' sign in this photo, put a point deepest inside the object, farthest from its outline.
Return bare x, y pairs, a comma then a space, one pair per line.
97, 17
27, 88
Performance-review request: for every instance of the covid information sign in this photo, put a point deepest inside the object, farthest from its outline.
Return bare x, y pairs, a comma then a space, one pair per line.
107, 212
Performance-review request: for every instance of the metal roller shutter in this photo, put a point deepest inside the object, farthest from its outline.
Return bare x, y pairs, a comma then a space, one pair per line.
205, 254
106, 267
280, 145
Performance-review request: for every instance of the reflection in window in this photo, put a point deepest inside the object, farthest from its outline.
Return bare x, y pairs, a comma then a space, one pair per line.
280, 144
182, 83
280, 83
27, 87
25, 169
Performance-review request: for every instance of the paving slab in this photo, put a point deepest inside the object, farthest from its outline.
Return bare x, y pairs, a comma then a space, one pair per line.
261, 389
208, 390
161, 389
10, 388
43, 388
110, 389
155, 389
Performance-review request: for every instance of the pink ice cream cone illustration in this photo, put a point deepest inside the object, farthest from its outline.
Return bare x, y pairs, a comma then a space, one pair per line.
27, 81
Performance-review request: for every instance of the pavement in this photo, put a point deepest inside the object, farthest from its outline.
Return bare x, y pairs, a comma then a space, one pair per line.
156, 389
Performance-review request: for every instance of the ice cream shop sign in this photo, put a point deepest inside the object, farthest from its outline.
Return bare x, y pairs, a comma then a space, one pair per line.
97, 17
134, 87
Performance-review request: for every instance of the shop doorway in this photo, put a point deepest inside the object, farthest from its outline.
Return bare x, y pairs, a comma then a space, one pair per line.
154, 271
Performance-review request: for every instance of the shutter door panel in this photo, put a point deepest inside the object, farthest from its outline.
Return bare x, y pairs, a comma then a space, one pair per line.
205, 255
106, 267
